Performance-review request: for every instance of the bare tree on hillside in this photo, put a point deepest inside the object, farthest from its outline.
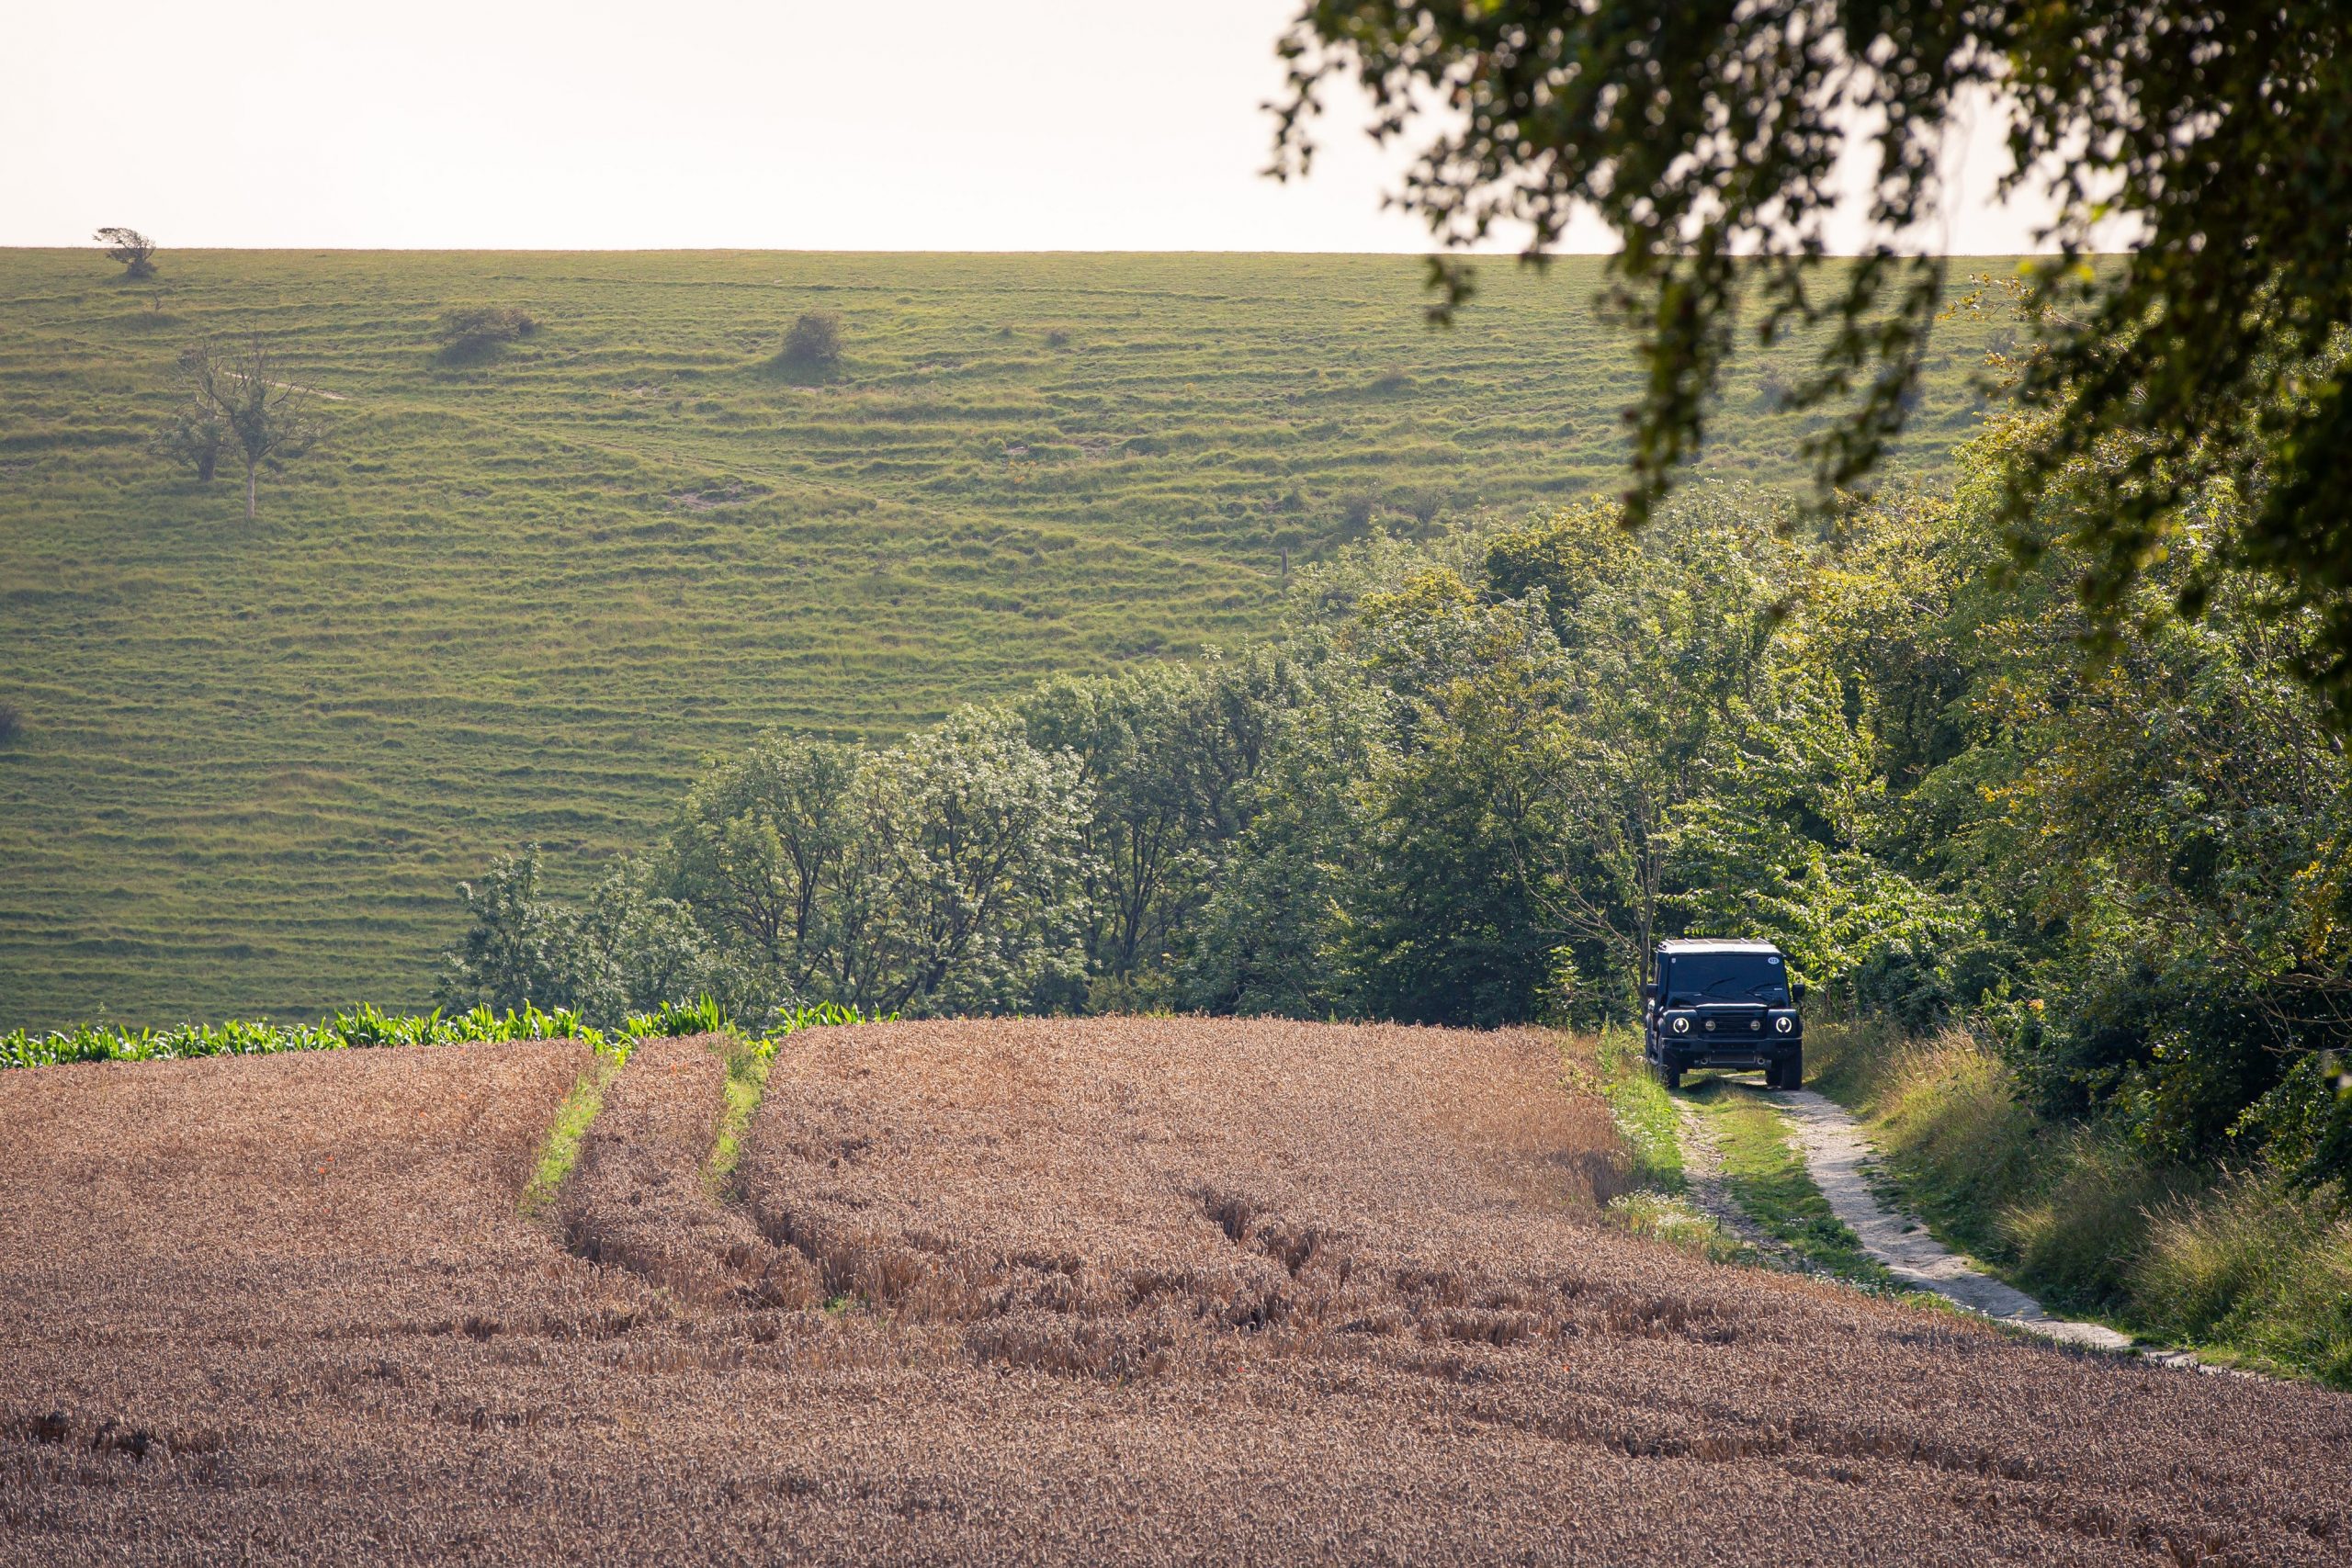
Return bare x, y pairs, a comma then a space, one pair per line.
134, 250
267, 420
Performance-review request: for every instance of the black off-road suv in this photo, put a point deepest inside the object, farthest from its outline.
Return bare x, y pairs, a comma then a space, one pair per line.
1721, 1004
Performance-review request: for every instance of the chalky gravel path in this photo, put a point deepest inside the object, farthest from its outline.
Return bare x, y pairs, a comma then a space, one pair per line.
1837, 1150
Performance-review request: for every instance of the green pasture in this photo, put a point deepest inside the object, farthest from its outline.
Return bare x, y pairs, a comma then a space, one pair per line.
521, 597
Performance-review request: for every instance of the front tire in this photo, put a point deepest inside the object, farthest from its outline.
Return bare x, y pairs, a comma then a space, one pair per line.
1792, 1070
1671, 1076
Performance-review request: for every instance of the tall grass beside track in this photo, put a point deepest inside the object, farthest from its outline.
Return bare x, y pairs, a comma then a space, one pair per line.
521, 596
2238, 1265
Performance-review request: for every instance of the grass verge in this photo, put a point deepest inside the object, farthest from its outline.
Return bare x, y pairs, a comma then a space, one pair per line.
1660, 1206
1643, 1112
2240, 1267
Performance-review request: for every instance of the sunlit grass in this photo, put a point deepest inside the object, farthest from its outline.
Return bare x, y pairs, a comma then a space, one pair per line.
561, 1150
1765, 1173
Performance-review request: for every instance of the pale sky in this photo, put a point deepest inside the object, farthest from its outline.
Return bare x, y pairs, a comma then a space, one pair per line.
1014, 124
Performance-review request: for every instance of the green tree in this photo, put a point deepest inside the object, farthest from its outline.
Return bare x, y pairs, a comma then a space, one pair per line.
1707, 138
1142, 849
1667, 641
963, 891
521, 947
267, 421
1269, 933
757, 848
1447, 926
2171, 821
196, 435
626, 951
1165, 752
134, 250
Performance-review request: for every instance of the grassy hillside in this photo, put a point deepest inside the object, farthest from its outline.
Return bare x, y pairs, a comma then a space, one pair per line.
520, 598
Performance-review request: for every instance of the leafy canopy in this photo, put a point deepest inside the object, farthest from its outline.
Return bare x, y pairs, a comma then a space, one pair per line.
1707, 135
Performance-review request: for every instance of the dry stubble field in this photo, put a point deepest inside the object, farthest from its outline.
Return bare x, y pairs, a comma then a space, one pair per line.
1054, 1291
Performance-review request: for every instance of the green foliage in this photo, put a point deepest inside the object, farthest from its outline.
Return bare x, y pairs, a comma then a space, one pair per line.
1164, 753
365, 1027
962, 893
362, 1028
2210, 354
759, 850
671, 1019
195, 436
943, 875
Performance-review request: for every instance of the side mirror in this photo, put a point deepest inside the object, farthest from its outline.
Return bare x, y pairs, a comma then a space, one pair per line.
1649, 990
1796, 989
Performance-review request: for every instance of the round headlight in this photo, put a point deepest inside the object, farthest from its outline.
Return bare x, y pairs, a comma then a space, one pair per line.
1682, 1026
1784, 1024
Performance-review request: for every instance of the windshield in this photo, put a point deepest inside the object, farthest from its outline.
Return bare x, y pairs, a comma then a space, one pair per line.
1726, 977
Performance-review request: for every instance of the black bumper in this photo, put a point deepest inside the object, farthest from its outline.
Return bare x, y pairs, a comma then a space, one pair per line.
1731, 1052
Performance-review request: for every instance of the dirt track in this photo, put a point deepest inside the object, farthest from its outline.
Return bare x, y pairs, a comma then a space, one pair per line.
1014, 1292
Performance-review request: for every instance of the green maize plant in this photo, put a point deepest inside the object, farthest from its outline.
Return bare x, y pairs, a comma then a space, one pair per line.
366, 1028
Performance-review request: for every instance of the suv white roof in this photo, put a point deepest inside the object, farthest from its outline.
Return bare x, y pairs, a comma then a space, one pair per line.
1715, 944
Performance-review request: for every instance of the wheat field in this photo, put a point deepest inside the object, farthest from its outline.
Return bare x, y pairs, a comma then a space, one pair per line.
1121, 1290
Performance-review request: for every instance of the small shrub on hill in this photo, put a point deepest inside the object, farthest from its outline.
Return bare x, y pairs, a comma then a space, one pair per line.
12, 722
814, 344
470, 331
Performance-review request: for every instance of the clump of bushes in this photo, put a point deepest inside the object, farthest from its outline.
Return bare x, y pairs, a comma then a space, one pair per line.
194, 437
814, 344
470, 331
12, 722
